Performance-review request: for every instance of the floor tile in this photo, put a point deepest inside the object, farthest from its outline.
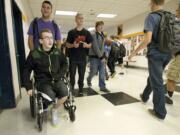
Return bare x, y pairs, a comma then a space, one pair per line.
119, 98
86, 92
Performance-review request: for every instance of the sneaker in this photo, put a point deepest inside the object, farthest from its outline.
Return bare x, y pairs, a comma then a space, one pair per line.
168, 100
104, 90
152, 112
63, 114
80, 91
142, 99
170, 93
107, 77
54, 117
89, 83
113, 74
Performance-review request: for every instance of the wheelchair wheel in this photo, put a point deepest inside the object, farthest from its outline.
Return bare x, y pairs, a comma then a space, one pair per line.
32, 106
66, 104
72, 113
40, 121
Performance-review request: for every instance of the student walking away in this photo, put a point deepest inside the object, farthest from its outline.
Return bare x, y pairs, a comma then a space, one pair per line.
121, 52
107, 49
157, 59
45, 22
97, 57
49, 66
78, 42
113, 56
173, 72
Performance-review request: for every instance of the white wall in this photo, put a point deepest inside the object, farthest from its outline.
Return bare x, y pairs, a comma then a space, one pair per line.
111, 30
136, 23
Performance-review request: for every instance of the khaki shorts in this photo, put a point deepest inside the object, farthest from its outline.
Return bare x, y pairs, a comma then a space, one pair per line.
173, 72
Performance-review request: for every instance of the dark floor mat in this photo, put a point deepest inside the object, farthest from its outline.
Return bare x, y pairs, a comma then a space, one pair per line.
119, 98
86, 92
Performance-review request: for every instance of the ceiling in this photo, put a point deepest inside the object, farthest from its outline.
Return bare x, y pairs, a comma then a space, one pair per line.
125, 9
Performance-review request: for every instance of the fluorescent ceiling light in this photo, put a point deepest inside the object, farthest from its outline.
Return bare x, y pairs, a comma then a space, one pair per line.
71, 13
107, 15
91, 28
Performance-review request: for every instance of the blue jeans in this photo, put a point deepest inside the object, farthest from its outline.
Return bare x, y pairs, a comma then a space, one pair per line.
95, 66
157, 61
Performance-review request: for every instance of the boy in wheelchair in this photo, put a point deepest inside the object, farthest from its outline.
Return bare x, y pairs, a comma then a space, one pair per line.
49, 66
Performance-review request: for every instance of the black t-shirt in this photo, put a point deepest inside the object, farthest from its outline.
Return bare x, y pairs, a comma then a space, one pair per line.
78, 54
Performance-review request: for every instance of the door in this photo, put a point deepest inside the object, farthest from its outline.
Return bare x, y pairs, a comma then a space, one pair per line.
19, 40
7, 99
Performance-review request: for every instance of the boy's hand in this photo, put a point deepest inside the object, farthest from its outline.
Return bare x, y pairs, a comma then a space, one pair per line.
85, 45
76, 45
30, 92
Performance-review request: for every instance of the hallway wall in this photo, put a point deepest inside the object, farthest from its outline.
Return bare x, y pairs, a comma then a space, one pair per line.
136, 23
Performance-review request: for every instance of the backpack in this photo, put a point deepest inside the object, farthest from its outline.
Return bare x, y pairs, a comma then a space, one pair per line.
169, 33
115, 50
122, 50
35, 27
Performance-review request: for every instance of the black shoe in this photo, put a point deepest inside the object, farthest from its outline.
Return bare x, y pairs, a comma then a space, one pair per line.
104, 90
80, 91
113, 74
121, 73
152, 112
142, 99
170, 93
89, 84
168, 100
107, 77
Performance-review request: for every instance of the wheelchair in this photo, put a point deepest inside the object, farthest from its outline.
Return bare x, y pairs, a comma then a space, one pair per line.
37, 100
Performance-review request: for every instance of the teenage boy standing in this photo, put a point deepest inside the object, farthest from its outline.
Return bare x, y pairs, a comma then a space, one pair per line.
78, 43
45, 22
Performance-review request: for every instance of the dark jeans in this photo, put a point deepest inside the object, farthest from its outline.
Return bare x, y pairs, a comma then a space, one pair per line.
81, 71
111, 64
156, 64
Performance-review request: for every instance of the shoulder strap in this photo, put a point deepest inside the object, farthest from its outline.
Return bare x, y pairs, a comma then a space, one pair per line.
35, 26
102, 35
55, 26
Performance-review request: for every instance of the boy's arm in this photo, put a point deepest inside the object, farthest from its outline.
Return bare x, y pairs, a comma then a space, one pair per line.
95, 47
30, 42
28, 67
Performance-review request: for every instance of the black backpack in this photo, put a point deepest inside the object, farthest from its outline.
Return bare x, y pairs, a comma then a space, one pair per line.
169, 33
122, 50
115, 50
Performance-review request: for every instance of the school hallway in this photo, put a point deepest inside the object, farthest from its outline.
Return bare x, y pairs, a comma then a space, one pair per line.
85, 31
119, 112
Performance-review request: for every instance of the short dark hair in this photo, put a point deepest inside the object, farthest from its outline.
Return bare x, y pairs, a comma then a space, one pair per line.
99, 23
47, 2
43, 31
158, 2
